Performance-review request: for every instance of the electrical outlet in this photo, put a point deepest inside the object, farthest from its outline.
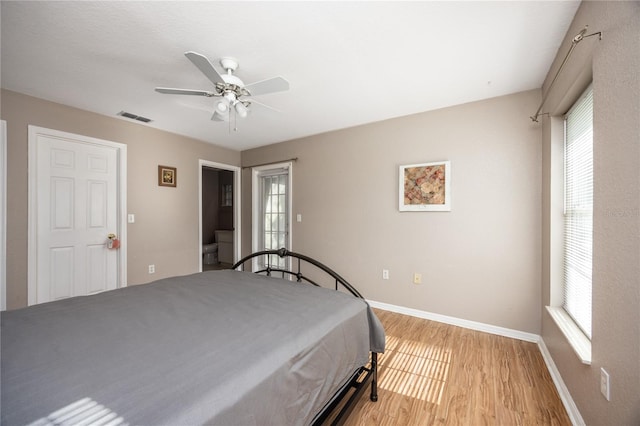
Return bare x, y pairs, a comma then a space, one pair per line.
152, 269
385, 274
417, 278
605, 384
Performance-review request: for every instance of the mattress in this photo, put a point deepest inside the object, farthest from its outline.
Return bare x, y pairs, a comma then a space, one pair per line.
219, 347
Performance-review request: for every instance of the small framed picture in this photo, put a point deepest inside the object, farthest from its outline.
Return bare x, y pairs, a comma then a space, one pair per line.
425, 187
167, 176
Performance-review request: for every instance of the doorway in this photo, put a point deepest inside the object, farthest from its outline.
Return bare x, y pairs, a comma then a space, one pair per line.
219, 215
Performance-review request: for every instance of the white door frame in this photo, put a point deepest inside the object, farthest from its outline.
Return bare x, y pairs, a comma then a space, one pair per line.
121, 149
3, 215
255, 204
237, 188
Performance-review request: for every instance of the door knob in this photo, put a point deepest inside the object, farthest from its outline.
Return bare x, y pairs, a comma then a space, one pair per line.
112, 241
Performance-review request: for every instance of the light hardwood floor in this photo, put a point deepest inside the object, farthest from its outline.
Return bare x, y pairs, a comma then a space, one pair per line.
434, 373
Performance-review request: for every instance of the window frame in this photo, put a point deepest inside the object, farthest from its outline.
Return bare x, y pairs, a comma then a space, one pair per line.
257, 206
577, 339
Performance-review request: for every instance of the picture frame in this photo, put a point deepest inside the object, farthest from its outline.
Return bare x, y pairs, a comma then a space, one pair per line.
167, 176
425, 187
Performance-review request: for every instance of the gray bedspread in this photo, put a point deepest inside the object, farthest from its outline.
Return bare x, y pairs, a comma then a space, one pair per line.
221, 347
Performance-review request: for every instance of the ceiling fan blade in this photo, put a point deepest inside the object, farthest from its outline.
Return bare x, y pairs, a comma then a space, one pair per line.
205, 66
253, 101
219, 117
270, 85
172, 91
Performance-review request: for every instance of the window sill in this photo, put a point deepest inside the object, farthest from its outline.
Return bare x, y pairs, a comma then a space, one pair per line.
580, 343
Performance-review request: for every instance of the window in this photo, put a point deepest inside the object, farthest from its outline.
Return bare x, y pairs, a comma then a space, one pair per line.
578, 211
274, 211
227, 195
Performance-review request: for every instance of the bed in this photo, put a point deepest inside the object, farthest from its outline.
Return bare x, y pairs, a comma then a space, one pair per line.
221, 347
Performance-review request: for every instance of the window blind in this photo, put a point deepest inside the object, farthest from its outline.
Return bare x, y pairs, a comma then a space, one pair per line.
578, 211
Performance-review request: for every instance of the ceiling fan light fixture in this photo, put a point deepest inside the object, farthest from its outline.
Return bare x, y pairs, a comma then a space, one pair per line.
222, 107
230, 97
241, 109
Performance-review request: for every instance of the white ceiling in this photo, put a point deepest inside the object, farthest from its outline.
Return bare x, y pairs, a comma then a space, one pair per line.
348, 63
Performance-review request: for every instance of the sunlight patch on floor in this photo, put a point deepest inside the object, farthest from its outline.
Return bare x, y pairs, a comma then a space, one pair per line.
415, 369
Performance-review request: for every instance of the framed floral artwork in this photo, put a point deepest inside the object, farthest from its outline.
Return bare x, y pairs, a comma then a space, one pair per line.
425, 187
167, 176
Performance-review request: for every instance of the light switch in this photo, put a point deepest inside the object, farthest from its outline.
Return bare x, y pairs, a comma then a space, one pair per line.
131, 218
605, 384
299, 217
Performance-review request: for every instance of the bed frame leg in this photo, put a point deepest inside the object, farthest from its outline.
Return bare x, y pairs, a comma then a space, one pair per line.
374, 380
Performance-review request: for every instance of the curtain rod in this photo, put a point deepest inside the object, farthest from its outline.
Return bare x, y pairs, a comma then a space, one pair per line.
577, 39
270, 163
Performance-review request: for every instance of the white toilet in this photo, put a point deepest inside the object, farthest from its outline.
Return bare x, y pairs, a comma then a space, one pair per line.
210, 253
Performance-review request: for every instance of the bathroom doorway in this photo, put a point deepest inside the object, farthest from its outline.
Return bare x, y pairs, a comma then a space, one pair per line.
219, 215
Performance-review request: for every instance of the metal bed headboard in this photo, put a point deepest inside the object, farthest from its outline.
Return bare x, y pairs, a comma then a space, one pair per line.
360, 377
296, 269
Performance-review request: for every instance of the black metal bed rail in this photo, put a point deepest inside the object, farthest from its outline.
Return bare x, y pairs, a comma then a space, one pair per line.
297, 273
363, 375
358, 382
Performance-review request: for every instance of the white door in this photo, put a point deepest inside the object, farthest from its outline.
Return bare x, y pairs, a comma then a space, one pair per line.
76, 206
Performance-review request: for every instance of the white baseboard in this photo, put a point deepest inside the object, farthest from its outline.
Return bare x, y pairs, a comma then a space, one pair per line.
565, 396
472, 325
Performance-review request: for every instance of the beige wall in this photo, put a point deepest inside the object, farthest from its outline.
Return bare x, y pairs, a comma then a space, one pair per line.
614, 63
166, 229
480, 262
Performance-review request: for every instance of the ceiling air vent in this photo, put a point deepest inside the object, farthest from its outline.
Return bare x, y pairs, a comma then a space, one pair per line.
134, 117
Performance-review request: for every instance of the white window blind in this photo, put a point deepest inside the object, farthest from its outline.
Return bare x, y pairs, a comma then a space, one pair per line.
578, 211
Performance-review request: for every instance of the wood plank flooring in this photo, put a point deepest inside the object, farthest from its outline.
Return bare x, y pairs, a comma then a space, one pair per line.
438, 374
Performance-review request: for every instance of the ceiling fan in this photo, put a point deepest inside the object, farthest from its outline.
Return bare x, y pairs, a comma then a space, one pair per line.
233, 93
